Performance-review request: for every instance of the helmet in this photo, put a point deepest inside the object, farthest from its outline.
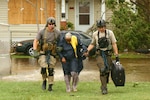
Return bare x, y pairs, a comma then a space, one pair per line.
50, 20
101, 23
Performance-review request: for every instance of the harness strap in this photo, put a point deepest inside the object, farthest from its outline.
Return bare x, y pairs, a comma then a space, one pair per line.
99, 33
45, 35
104, 59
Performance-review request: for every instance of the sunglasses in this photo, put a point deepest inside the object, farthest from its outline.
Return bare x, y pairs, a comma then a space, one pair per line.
51, 24
100, 26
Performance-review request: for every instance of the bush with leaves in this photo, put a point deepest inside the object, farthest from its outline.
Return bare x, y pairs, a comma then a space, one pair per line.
130, 28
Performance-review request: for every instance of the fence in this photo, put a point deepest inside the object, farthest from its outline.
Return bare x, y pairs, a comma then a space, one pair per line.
5, 61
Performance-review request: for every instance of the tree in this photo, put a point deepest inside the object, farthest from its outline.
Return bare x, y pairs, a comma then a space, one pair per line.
143, 7
131, 27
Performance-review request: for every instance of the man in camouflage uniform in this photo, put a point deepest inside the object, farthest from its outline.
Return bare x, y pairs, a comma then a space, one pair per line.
104, 40
44, 46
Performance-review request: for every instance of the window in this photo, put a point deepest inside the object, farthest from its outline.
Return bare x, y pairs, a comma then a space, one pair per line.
84, 13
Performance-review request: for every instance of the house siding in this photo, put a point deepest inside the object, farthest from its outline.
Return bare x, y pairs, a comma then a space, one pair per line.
108, 18
29, 30
97, 5
3, 11
96, 10
97, 13
71, 11
24, 31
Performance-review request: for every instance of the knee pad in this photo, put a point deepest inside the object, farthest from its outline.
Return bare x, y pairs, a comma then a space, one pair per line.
51, 71
103, 71
43, 70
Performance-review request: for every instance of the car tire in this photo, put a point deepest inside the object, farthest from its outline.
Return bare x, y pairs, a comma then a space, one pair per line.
29, 51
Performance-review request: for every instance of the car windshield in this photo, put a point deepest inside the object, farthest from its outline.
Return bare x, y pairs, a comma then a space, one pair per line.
82, 36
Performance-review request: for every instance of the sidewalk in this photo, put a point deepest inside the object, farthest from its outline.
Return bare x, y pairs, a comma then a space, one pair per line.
34, 75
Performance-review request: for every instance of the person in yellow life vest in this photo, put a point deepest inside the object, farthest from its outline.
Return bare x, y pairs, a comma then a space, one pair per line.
69, 56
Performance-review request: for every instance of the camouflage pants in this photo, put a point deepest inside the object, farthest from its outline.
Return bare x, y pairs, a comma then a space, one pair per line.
43, 64
104, 73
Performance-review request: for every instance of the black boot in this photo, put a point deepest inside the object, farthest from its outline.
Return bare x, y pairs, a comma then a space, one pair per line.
50, 87
104, 91
103, 84
44, 85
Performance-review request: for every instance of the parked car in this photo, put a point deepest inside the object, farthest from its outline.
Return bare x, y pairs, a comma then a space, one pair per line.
143, 50
26, 46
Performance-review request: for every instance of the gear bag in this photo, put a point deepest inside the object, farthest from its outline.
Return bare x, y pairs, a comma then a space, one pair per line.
103, 41
118, 74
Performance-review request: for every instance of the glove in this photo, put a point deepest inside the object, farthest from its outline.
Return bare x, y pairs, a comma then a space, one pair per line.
35, 54
59, 49
117, 60
86, 53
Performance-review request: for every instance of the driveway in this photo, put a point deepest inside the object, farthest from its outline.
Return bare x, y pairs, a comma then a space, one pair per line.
27, 69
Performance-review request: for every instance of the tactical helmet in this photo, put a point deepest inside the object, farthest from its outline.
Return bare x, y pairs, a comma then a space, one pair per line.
50, 20
101, 23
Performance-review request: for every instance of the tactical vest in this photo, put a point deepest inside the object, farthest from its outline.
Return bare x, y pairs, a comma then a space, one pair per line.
103, 41
45, 46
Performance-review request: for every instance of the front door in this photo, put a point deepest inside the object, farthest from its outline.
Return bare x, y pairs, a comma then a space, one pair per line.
84, 14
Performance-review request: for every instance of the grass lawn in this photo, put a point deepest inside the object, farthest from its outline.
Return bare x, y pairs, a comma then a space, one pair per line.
86, 91
133, 55
121, 55
29, 90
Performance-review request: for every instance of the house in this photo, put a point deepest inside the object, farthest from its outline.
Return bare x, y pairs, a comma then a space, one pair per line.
27, 17
82, 13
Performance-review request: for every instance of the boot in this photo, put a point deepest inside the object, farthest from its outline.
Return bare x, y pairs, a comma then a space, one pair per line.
44, 76
74, 81
50, 82
104, 90
75, 85
103, 84
50, 87
67, 81
44, 85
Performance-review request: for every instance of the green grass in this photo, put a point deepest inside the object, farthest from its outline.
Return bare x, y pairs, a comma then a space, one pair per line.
86, 91
20, 56
133, 55
121, 55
